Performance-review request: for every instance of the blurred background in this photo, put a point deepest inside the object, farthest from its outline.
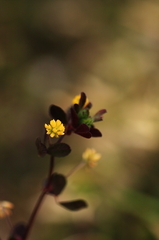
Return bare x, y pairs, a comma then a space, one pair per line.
50, 51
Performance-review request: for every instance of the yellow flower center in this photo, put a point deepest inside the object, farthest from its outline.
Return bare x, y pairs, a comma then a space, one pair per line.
55, 128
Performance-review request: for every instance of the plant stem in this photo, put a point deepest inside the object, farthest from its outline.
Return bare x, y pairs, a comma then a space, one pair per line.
51, 167
33, 215
40, 199
60, 139
42, 195
75, 169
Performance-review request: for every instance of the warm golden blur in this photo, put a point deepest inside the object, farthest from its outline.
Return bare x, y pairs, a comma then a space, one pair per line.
50, 51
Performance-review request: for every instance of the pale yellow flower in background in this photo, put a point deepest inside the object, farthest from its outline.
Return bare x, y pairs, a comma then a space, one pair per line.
77, 99
5, 208
55, 128
91, 157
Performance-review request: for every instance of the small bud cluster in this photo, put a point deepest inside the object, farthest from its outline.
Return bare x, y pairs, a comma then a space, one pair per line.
55, 128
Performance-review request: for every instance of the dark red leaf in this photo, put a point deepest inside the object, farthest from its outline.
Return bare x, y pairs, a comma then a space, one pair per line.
57, 184
95, 132
59, 150
84, 131
99, 115
74, 117
18, 231
89, 105
58, 113
85, 134
42, 150
74, 205
82, 100
82, 128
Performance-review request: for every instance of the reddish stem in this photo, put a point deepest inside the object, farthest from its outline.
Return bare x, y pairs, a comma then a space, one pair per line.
41, 197
33, 215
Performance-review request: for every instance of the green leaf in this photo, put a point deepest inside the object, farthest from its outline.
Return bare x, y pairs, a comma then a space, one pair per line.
57, 184
59, 150
42, 150
74, 205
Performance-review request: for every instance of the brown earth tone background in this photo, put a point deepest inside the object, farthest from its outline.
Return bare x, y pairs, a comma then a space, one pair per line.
50, 51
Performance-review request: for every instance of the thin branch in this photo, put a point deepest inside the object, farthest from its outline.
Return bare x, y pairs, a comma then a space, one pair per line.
33, 215
75, 169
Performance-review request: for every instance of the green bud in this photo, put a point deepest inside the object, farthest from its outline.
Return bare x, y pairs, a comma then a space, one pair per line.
83, 113
87, 121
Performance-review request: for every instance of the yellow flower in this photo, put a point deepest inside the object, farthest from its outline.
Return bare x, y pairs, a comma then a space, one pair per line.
77, 99
5, 208
91, 157
55, 128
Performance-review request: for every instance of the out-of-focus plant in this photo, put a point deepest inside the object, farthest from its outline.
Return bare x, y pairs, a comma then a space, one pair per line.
76, 119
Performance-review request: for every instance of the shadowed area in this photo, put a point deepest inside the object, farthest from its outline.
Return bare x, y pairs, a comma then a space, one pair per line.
51, 51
